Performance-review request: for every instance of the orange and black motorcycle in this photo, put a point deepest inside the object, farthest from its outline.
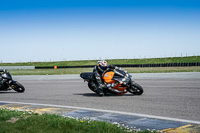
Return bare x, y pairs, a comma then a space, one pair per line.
121, 79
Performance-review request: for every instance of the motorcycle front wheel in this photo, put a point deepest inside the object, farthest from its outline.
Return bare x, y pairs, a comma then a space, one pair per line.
135, 89
18, 87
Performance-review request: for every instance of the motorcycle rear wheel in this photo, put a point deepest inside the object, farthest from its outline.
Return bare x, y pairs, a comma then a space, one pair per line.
92, 86
135, 89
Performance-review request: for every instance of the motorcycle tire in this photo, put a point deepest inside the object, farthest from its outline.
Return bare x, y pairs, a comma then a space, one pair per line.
92, 86
136, 89
19, 87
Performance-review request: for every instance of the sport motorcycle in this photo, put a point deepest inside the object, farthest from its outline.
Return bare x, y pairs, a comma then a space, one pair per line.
117, 82
7, 83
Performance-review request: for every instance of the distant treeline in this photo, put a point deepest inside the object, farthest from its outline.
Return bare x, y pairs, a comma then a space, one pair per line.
130, 65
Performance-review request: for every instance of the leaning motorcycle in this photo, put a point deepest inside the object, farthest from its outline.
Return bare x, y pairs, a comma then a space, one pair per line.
121, 79
7, 83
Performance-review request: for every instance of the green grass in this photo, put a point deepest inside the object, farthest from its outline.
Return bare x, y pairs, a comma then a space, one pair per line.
50, 71
80, 70
24, 122
163, 69
113, 61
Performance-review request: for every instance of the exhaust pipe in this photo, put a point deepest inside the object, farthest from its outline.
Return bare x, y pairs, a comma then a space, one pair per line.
114, 90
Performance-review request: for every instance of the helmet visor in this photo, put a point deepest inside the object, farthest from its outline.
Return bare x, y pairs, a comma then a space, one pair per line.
103, 67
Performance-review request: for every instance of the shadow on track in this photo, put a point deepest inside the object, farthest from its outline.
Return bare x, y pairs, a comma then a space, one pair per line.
6, 92
107, 95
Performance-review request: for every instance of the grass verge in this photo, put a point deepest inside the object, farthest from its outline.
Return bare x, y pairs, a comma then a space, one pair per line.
12, 121
110, 61
80, 70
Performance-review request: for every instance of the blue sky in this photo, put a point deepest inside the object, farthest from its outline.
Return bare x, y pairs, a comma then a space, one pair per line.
54, 30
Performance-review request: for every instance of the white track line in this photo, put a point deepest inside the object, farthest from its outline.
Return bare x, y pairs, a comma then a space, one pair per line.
110, 111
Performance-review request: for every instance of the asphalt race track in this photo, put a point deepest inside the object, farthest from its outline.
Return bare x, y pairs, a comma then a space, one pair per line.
174, 95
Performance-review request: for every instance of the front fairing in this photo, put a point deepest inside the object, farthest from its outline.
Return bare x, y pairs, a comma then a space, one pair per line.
122, 76
119, 73
6, 75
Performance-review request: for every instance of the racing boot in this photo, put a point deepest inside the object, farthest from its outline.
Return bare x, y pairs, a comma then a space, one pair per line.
101, 94
100, 90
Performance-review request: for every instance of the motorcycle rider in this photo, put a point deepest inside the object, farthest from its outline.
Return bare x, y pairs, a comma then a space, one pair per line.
1, 80
98, 71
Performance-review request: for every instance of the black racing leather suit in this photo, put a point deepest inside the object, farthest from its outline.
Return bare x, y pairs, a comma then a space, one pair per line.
97, 75
1, 80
